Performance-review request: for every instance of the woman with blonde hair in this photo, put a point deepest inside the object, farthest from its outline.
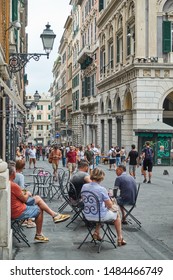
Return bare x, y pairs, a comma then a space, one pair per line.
20, 180
97, 176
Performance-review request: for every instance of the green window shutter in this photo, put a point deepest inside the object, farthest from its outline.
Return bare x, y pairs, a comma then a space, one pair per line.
14, 10
166, 36
101, 5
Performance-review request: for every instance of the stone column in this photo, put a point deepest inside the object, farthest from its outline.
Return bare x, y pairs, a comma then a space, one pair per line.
5, 214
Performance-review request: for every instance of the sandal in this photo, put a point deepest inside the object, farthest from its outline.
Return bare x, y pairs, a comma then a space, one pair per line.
121, 242
41, 238
96, 237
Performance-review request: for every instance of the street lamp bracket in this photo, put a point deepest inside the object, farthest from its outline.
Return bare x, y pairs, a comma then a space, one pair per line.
17, 61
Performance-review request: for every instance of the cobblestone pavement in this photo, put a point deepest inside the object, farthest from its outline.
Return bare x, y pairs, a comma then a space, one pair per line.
154, 241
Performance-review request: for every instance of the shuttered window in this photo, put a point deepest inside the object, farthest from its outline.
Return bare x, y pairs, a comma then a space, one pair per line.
14, 10
166, 36
118, 49
101, 5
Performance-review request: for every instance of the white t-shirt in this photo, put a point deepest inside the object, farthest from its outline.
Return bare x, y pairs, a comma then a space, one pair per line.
32, 153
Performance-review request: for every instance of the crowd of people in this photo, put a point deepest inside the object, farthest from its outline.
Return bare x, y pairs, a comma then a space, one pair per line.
82, 164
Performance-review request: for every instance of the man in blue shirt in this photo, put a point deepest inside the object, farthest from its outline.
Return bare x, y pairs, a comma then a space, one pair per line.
128, 190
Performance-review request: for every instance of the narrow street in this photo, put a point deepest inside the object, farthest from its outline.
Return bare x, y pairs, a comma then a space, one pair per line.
154, 241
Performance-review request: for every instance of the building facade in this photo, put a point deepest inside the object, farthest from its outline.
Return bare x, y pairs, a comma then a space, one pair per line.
13, 39
135, 84
38, 122
121, 69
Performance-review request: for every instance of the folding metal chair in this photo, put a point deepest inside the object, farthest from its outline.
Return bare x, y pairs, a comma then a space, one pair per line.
74, 202
92, 206
129, 208
63, 190
18, 231
55, 186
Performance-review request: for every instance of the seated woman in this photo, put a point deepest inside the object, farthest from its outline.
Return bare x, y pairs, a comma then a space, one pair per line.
97, 176
20, 180
25, 206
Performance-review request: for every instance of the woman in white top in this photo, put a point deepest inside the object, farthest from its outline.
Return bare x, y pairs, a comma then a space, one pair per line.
80, 154
32, 156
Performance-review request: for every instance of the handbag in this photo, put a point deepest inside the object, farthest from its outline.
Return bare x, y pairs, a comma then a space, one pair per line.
50, 159
115, 207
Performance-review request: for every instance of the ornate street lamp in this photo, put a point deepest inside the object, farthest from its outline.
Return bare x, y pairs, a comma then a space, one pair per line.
34, 103
17, 61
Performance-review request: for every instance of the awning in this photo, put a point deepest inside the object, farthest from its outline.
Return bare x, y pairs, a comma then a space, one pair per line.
17, 101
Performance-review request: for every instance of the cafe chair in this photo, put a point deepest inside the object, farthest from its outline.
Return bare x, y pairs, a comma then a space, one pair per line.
63, 190
92, 206
55, 186
18, 231
74, 201
129, 208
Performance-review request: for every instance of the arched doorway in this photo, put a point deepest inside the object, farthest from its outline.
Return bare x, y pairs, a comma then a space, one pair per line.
168, 109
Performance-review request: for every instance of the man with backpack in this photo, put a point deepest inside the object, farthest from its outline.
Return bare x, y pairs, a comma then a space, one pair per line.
112, 157
147, 154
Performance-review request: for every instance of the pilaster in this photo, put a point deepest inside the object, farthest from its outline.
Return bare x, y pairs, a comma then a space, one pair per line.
5, 214
140, 28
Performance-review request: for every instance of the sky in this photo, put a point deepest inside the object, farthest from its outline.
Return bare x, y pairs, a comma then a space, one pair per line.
40, 12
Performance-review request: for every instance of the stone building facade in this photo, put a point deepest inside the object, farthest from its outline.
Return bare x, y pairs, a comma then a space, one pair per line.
135, 84
121, 69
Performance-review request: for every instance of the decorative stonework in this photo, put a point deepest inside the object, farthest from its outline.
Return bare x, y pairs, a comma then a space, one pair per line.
147, 73
157, 73
166, 73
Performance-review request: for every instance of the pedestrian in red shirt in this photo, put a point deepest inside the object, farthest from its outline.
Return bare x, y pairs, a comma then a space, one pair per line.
71, 160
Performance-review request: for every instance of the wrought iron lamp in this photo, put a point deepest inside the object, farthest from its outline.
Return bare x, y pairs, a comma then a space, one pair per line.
17, 61
34, 103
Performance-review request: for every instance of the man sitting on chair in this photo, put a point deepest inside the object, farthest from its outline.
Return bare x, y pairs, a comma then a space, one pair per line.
80, 177
127, 187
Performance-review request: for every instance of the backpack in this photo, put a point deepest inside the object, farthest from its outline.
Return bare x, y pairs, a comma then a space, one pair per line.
114, 154
148, 153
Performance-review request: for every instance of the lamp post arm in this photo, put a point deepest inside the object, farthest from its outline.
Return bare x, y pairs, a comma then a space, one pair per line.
17, 61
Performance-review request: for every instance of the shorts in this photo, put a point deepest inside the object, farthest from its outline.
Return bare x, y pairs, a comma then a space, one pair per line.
32, 210
147, 165
112, 161
122, 201
132, 168
71, 166
55, 166
91, 167
110, 216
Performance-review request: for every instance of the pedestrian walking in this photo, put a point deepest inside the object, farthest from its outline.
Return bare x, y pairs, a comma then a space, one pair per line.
32, 156
132, 157
112, 157
147, 154
89, 157
71, 160
54, 158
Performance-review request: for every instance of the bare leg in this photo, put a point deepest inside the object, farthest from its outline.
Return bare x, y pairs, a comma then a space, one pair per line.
117, 224
43, 206
149, 175
39, 223
123, 213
